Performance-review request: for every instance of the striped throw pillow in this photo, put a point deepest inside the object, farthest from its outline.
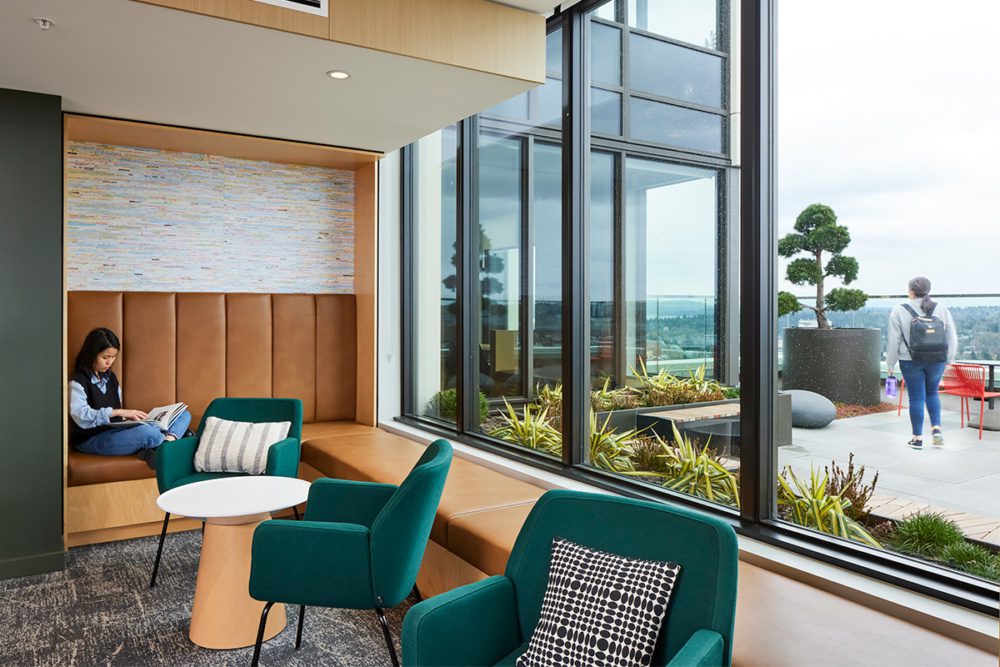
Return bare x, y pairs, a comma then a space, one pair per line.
227, 446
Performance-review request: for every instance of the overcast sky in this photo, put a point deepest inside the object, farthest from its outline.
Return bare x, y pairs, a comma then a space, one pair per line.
888, 112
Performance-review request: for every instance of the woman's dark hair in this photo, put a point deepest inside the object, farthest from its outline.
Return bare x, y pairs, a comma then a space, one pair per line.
96, 342
921, 287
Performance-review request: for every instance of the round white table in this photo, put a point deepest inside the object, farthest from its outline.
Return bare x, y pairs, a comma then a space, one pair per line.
224, 616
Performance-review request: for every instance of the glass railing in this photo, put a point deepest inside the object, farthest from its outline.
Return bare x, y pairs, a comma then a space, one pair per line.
977, 321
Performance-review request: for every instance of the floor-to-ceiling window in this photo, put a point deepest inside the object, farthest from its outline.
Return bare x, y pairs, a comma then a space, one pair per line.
661, 400
432, 207
879, 181
663, 385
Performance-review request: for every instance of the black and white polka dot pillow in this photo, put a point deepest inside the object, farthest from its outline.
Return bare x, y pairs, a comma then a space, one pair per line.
599, 609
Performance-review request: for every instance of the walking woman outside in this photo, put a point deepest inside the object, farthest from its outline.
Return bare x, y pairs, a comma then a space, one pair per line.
922, 338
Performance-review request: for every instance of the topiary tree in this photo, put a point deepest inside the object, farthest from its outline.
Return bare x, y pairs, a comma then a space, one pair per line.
817, 232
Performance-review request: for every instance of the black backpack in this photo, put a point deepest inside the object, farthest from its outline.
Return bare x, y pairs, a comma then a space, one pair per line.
928, 341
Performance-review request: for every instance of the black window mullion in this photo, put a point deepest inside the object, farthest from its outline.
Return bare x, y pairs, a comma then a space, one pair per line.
527, 266
575, 247
406, 199
467, 252
619, 299
758, 250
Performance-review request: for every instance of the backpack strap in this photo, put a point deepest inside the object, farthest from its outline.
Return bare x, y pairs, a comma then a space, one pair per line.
901, 333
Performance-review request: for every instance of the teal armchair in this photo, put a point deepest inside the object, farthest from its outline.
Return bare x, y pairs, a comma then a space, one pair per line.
490, 622
175, 459
359, 546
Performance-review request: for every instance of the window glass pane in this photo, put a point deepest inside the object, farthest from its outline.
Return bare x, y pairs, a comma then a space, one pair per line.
671, 231
602, 267
605, 53
605, 111
434, 342
501, 221
667, 124
606, 11
515, 107
546, 211
518, 195
553, 52
550, 102
673, 71
658, 357
692, 21
871, 174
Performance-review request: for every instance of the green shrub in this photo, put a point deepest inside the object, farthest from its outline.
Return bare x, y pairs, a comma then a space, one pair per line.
731, 392
444, 405
926, 535
971, 558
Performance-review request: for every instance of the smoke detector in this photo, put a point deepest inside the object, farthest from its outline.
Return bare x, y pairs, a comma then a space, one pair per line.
43, 22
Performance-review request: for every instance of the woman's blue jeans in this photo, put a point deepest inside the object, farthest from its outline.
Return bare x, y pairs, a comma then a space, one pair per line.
922, 380
122, 441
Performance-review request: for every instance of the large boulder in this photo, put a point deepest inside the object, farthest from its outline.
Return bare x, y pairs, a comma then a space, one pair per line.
811, 410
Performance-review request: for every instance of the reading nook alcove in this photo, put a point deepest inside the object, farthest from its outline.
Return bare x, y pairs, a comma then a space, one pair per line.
265, 287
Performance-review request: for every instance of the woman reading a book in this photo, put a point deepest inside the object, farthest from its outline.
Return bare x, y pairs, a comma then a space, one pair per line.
98, 424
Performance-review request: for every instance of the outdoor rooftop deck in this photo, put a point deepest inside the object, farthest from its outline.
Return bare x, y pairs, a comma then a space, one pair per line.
960, 479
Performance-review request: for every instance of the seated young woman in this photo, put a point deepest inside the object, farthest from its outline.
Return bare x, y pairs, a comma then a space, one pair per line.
95, 401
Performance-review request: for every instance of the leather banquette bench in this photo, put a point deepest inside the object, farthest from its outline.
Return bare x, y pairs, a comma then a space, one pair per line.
194, 347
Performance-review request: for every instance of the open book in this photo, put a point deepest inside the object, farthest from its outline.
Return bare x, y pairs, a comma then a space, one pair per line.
162, 417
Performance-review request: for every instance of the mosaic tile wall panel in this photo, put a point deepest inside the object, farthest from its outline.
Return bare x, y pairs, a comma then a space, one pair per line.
141, 219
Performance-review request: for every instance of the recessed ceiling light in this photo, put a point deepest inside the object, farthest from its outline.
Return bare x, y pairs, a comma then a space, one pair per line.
338, 74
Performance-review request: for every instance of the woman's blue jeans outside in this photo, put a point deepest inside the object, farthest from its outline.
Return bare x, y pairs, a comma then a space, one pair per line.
123, 441
922, 380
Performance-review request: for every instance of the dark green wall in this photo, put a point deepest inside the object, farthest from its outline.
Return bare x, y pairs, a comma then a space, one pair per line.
31, 409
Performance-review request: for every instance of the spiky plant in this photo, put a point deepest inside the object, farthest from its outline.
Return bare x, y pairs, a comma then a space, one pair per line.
610, 449
811, 504
531, 430
550, 398
698, 471
647, 456
666, 389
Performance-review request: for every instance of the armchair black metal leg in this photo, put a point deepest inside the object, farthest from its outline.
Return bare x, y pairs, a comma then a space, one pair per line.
388, 636
416, 594
159, 549
298, 633
295, 510
260, 634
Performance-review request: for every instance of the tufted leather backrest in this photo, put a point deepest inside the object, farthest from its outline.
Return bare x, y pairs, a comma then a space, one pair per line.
194, 347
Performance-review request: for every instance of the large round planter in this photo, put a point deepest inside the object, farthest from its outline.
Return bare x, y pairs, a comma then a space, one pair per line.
842, 364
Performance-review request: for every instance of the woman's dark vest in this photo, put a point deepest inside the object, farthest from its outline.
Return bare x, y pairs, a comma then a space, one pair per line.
96, 400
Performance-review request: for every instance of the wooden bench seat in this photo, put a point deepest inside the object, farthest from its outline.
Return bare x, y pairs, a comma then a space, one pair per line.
379, 456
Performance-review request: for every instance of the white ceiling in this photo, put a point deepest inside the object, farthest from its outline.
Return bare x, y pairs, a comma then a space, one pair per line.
141, 62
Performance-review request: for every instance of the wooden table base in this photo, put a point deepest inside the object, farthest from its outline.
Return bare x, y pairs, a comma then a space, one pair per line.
224, 615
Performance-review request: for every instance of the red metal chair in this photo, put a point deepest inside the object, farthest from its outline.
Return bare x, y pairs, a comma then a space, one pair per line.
948, 381
972, 384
